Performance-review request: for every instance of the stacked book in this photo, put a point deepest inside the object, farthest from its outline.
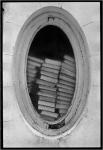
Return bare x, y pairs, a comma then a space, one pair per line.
47, 89
55, 85
32, 65
66, 84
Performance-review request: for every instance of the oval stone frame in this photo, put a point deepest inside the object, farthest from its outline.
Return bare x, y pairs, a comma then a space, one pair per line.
65, 21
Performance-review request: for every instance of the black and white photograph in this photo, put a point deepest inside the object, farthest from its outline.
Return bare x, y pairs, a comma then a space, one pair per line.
51, 74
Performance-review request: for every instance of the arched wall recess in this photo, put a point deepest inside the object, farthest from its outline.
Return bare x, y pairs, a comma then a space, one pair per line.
57, 19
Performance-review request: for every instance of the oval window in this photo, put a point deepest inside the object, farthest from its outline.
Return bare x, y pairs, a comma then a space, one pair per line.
51, 71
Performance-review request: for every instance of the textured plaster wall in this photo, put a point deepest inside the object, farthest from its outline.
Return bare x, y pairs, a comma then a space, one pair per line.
16, 132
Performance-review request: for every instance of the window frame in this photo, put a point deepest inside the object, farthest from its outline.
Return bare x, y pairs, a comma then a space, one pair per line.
52, 16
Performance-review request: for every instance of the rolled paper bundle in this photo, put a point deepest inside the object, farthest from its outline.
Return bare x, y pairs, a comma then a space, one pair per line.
48, 99
47, 88
64, 78
65, 87
64, 98
49, 74
66, 83
48, 118
51, 66
62, 106
65, 66
50, 114
45, 83
67, 72
49, 79
34, 64
46, 108
46, 103
69, 58
46, 94
51, 70
64, 94
35, 59
66, 91
53, 62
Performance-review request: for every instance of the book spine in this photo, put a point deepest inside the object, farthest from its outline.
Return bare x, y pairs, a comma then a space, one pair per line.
50, 114
46, 108
50, 104
35, 59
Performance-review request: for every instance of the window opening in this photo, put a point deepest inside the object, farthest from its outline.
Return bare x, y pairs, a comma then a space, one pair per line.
51, 74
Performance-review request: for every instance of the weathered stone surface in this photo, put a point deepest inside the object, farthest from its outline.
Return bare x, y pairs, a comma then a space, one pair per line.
95, 70
83, 12
87, 132
10, 106
7, 70
17, 134
10, 32
92, 31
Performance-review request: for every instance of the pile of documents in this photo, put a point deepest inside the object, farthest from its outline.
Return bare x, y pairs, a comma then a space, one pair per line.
47, 88
56, 84
66, 84
32, 65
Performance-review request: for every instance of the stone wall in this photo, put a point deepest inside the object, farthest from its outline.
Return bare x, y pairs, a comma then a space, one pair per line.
16, 132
